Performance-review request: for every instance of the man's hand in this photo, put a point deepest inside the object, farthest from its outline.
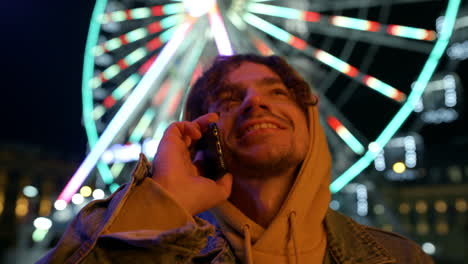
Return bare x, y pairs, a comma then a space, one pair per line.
174, 170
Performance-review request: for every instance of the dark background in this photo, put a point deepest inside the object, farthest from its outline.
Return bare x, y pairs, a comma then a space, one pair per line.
42, 58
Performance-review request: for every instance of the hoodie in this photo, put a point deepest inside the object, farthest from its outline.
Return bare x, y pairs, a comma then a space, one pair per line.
296, 234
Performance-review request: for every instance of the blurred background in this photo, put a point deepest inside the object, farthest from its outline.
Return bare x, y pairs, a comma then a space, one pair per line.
102, 79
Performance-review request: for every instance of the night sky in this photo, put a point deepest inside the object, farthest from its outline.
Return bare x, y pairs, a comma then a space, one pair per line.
42, 54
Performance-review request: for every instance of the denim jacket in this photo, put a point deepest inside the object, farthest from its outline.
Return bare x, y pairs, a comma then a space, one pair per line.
124, 228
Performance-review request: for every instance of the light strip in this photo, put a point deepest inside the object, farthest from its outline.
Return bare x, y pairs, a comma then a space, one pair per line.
127, 109
131, 58
142, 125
139, 13
342, 21
137, 34
88, 72
219, 31
345, 135
408, 107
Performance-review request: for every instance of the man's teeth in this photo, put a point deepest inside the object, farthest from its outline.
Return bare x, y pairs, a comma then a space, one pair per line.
261, 125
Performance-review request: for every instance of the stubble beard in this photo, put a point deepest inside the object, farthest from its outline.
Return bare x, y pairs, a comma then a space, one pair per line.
266, 167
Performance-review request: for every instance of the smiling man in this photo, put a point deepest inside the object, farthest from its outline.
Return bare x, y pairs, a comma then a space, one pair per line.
272, 205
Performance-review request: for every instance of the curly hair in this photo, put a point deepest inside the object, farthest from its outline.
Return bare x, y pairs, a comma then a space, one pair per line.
206, 89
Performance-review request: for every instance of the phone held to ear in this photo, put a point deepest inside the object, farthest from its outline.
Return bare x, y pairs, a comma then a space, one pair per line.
211, 145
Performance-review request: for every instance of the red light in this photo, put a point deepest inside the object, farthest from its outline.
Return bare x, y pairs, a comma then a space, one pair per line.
374, 26
352, 71
145, 67
153, 44
109, 102
298, 43
157, 11
391, 29
124, 40
128, 12
399, 96
311, 16
333, 122
122, 64
154, 27
102, 77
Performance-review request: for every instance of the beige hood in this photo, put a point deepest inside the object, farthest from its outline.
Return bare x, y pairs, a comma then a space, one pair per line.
298, 228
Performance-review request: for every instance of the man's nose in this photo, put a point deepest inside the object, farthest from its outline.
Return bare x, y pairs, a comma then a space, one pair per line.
254, 102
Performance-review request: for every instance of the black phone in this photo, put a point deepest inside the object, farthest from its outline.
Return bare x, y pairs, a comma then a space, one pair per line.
211, 144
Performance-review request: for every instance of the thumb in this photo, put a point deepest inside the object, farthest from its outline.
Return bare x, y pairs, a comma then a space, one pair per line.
225, 184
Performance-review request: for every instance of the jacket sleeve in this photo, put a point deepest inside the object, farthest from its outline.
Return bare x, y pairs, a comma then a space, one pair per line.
140, 222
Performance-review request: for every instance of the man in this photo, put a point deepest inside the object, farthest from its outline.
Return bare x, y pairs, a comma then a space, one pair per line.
272, 206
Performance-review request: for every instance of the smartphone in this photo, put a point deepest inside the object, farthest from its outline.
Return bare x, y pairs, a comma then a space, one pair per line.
211, 144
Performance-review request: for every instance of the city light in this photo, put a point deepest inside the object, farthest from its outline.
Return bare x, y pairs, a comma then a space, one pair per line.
429, 248
86, 191
43, 223
98, 194
399, 167
30, 191
77, 199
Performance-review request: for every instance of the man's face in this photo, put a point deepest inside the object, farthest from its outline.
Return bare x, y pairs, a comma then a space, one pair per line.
263, 127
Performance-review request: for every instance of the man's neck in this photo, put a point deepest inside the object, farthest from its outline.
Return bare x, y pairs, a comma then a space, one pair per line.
261, 198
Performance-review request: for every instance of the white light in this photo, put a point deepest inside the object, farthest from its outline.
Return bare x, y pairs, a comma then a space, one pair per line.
126, 153
98, 194
335, 205
458, 51
107, 156
419, 106
379, 161
77, 199
60, 205
198, 8
429, 248
42, 223
30, 191
362, 204
374, 147
150, 146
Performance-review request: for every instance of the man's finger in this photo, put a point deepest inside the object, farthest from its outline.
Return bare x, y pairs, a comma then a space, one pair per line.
225, 183
204, 120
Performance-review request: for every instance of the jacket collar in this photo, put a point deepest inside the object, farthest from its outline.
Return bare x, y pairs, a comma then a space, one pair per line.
349, 242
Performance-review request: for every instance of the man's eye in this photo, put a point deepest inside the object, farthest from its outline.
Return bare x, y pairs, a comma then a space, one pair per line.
228, 104
280, 92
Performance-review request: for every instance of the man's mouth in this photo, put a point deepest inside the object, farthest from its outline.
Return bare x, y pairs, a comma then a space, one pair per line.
258, 126
254, 125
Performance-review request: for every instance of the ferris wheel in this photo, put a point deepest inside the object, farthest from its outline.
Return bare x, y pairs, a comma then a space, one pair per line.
142, 56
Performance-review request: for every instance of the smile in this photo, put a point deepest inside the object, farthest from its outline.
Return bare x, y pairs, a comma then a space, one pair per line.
259, 126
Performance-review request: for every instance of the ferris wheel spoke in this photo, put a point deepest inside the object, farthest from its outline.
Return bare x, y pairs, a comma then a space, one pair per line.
261, 45
132, 58
142, 12
138, 34
326, 58
342, 126
219, 31
343, 22
331, 5
345, 135
122, 90
142, 126
178, 82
